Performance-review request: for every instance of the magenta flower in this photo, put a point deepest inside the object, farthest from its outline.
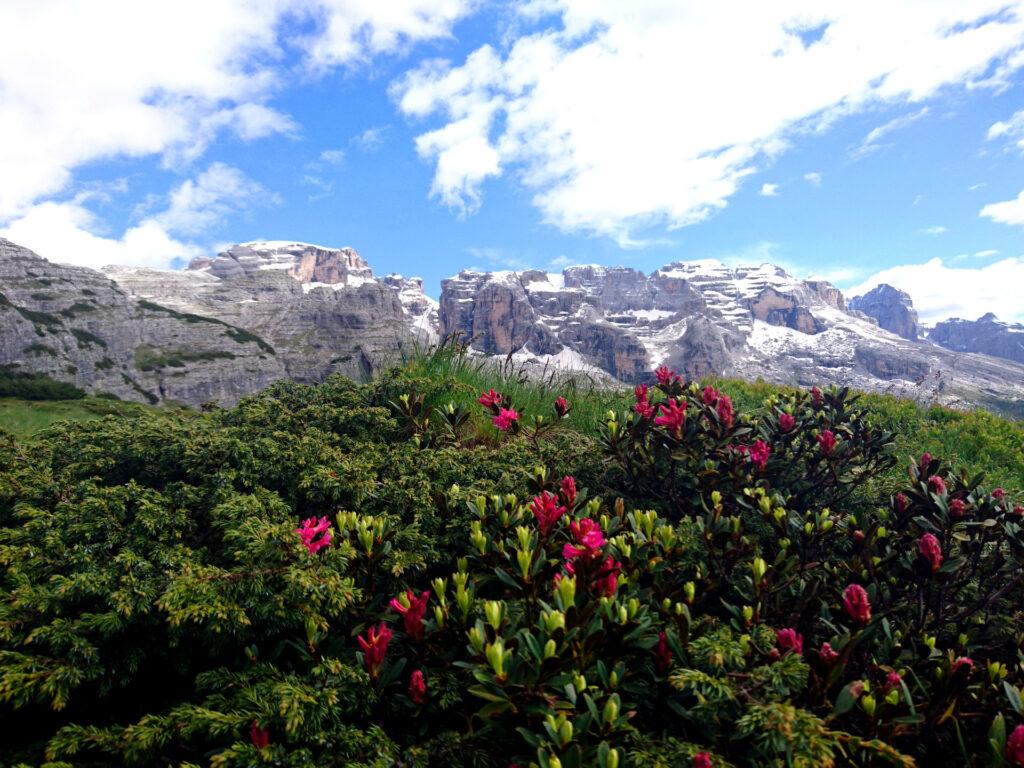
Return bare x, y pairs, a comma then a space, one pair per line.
827, 655
892, 680
664, 375
375, 646
957, 507
930, 550
856, 603
1018, 509
789, 639
588, 535
569, 490
724, 409
963, 662
710, 395
827, 442
759, 453
607, 580
413, 613
260, 737
816, 397
673, 415
998, 494
663, 654
902, 502
490, 399
561, 407
937, 485
786, 422
1015, 746
644, 408
506, 419
641, 391
702, 760
310, 529
547, 511
417, 687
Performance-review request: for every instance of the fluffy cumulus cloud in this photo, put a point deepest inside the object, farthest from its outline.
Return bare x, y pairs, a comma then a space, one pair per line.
82, 82
1007, 211
1011, 129
940, 291
69, 232
620, 116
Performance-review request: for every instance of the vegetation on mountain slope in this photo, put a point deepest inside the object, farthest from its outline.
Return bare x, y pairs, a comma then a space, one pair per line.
423, 571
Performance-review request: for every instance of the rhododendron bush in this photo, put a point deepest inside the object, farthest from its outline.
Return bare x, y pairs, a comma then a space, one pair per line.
347, 575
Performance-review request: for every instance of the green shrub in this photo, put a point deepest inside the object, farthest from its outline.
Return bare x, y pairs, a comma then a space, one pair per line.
35, 386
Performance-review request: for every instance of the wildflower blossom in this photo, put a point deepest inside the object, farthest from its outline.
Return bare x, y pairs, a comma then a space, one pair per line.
588, 535
569, 490
827, 442
759, 453
663, 654
664, 375
260, 737
412, 613
673, 415
963, 662
930, 550
506, 419
561, 407
892, 680
547, 511
702, 760
957, 507
417, 687
827, 654
490, 399
998, 494
816, 397
375, 646
1015, 746
724, 409
856, 603
786, 422
789, 639
310, 529
710, 395
607, 580
937, 485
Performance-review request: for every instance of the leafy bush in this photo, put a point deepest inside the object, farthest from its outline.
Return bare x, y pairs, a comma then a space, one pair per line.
35, 386
359, 575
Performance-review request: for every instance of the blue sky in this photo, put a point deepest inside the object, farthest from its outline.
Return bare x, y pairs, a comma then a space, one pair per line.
868, 142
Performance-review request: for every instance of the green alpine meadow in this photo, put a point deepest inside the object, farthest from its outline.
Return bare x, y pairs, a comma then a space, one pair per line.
452, 565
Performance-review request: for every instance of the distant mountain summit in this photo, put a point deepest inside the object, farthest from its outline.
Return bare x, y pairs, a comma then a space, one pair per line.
264, 310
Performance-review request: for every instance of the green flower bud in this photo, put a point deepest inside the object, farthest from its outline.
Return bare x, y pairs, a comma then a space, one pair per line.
748, 613
690, 591
613, 758
495, 653
580, 683
611, 709
868, 703
493, 610
550, 648
477, 637
760, 568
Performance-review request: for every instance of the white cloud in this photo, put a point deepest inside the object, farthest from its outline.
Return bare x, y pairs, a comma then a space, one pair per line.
370, 139
936, 230
769, 190
986, 253
940, 291
870, 142
1006, 212
1010, 129
84, 81
813, 178
333, 156
69, 233
652, 113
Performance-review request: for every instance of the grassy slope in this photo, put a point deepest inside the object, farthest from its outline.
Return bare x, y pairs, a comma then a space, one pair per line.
976, 440
26, 417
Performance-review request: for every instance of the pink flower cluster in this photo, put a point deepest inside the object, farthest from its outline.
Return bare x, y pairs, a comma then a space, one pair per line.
759, 453
589, 538
568, 490
417, 687
506, 419
561, 407
643, 406
673, 416
930, 550
413, 613
375, 647
1015, 746
790, 640
856, 603
663, 654
827, 442
547, 511
665, 376
312, 528
786, 422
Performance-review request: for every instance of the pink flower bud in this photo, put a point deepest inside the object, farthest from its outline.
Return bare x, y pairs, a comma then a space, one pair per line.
856, 603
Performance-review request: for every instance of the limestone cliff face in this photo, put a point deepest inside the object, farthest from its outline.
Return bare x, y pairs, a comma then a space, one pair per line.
892, 308
702, 318
986, 335
76, 325
321, 309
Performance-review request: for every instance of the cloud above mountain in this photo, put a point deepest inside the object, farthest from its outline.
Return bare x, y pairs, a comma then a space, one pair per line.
628, 115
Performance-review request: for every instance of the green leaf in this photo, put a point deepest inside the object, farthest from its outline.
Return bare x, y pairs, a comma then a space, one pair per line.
1013, 694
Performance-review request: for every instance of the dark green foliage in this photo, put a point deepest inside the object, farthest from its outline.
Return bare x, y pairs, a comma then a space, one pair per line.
78, 308
40, 349
35, 386
240, 335
151, 359
87, 339
152, 398
105, 364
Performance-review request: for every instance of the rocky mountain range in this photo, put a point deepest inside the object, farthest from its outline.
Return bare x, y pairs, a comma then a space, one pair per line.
261, 311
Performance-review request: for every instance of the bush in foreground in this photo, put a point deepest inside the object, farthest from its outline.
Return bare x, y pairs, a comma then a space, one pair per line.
320, 578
